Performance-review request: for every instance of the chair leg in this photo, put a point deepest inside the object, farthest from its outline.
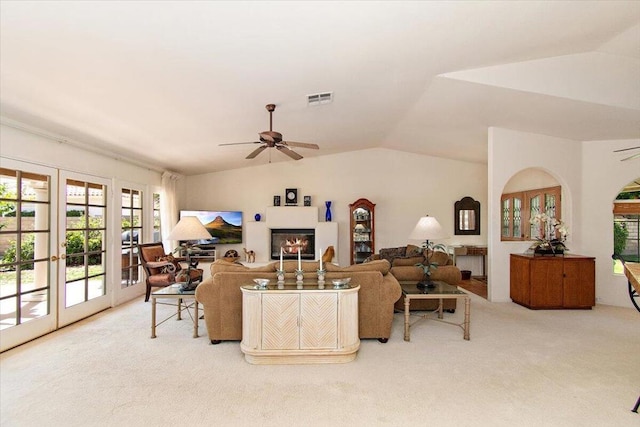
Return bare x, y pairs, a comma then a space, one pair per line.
148, 294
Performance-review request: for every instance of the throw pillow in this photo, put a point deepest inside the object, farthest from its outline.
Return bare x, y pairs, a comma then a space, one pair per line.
391, 253
413, 250
440, 257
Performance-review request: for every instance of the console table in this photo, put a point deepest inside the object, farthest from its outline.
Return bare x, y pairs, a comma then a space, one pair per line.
480, 251
291, 324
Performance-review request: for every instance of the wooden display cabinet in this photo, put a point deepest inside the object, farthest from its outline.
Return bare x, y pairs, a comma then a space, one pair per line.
546, 282
362, 230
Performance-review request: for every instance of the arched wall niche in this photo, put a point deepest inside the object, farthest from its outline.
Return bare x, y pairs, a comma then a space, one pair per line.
529, 179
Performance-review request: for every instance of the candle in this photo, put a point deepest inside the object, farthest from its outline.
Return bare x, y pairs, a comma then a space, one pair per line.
299, 259
320, 255
280, 259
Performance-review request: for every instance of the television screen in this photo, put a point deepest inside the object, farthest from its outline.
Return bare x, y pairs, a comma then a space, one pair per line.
224, 226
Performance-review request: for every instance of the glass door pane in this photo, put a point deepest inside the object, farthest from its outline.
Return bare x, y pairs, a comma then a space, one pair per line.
83, 233
26, 245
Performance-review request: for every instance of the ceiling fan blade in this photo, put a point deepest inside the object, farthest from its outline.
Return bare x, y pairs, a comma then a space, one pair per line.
292, 154
626, 149
239, 143
255, 152
635, 156
301, 144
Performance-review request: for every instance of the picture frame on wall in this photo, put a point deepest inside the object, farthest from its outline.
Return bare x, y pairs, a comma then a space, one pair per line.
307, 200
276, 200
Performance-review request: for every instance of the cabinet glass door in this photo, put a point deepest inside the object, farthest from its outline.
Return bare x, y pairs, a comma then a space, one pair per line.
362, 230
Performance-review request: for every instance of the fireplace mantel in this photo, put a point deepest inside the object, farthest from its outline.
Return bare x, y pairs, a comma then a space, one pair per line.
258, 234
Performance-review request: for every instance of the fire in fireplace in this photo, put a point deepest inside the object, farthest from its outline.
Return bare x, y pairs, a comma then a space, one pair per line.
292, 240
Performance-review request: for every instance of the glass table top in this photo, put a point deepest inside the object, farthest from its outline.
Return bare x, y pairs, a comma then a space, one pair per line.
174, 289
411, 287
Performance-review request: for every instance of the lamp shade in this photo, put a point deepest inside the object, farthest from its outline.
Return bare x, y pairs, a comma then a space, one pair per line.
189, 228
428, 228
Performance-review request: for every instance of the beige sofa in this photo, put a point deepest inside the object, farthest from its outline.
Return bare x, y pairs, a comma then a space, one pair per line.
222, 299
403, 262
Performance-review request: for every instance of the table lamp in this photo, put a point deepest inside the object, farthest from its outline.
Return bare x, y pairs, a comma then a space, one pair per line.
428, 228
186, 231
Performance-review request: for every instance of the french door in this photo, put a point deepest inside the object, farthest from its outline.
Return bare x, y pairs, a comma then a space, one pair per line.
53, 257
28, 240
82, 233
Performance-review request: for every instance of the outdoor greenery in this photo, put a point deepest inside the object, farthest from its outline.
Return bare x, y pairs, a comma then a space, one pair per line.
74, 242
620, 235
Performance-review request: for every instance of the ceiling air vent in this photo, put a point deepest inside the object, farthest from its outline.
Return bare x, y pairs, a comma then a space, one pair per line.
320, 98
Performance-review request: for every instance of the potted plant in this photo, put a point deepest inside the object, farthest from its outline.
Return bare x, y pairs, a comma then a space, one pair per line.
554, 234
427, 266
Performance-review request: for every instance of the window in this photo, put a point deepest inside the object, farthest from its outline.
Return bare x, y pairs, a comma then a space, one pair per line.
626, 225
24, 246
157, 235
131, 224
518, 208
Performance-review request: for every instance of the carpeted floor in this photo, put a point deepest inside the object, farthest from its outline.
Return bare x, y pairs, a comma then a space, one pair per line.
520, 368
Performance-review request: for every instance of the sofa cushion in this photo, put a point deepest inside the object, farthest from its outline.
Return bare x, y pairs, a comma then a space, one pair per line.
404, 261
441, 258
382, 265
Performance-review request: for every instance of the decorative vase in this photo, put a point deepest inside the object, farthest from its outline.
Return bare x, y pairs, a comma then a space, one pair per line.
327, 215
257, 217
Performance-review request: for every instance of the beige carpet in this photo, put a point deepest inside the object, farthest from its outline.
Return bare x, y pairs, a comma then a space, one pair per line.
521, 368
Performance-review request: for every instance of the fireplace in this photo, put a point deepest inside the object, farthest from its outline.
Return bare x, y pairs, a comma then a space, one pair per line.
292, 240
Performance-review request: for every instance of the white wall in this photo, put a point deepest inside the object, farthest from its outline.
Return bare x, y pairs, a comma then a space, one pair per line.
509, 153
604, 175
403, 186
591, 175
22, 145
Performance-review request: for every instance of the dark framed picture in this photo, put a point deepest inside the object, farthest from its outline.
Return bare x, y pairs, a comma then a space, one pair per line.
276, 200
307, 200
291, 196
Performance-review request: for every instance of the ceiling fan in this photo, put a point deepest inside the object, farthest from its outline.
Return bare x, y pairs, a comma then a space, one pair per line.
633, 156
273, 139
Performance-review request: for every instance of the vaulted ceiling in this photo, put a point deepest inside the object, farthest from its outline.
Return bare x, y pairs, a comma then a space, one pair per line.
164, 83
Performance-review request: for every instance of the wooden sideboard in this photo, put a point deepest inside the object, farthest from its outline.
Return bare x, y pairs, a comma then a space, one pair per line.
299, 325
546, 282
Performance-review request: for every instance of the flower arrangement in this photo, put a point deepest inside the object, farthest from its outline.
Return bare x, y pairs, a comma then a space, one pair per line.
554, 234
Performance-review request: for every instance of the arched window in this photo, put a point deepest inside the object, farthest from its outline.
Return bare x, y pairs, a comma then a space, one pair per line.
626, 225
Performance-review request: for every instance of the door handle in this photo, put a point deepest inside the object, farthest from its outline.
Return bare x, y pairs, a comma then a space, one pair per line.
55, 258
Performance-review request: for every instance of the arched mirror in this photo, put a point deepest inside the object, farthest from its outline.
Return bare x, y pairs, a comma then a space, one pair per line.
467, 216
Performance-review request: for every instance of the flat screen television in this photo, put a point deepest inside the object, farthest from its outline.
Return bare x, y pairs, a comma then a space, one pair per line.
224, 226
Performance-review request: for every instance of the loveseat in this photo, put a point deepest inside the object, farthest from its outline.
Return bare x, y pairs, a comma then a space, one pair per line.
403, 262
221, 297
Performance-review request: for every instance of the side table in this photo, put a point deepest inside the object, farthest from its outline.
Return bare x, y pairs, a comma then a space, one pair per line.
174, 292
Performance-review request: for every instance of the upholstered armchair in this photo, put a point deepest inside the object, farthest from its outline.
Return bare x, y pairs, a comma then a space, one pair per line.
163, 269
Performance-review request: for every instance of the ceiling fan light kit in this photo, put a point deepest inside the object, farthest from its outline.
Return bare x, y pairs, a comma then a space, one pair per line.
273, 139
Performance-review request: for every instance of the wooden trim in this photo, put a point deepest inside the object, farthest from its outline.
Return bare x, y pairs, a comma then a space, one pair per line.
626, 208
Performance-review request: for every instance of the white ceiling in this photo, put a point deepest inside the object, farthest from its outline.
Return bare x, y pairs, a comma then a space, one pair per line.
165, 83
